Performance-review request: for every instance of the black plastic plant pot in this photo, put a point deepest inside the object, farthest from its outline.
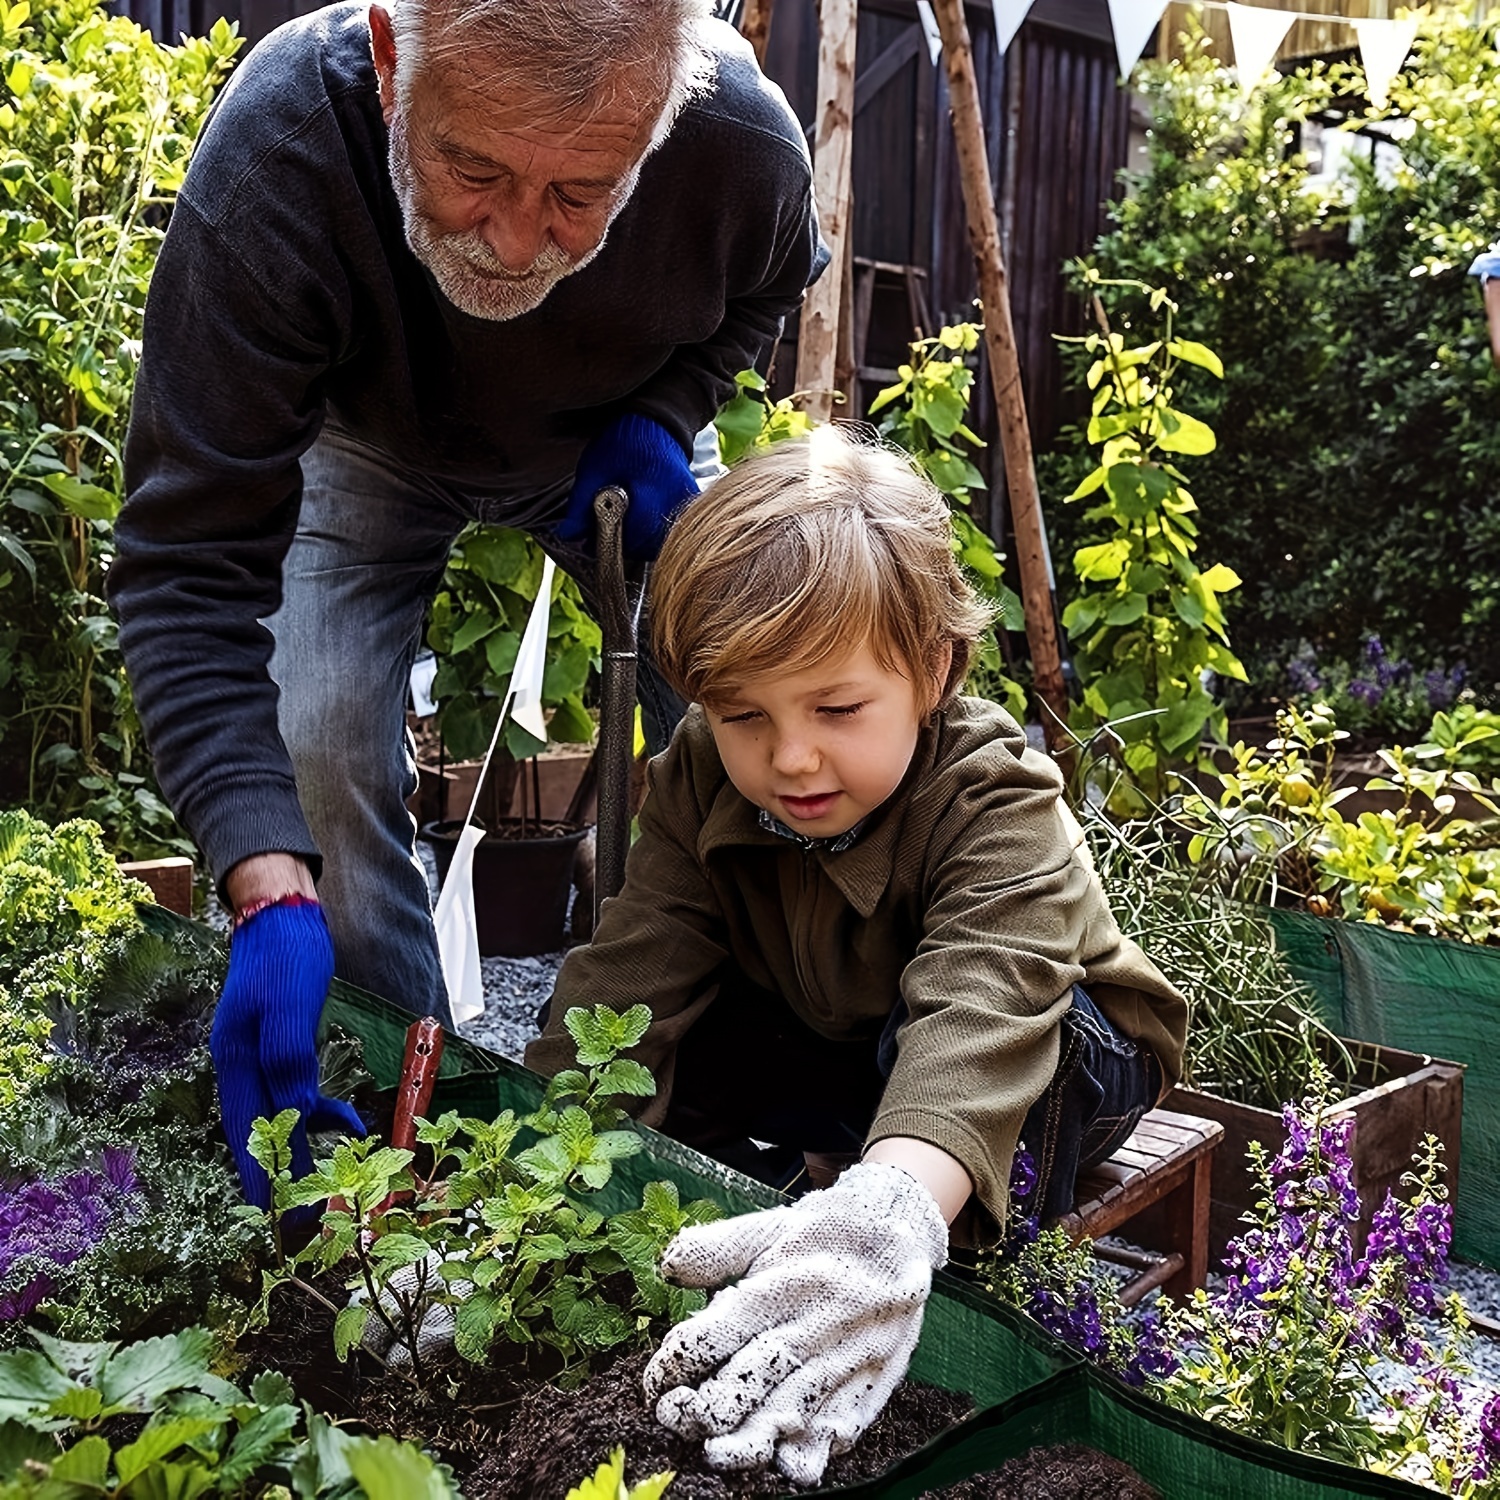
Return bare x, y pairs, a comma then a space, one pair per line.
523, 874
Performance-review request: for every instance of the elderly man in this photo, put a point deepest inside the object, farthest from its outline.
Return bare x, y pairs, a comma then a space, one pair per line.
457, 260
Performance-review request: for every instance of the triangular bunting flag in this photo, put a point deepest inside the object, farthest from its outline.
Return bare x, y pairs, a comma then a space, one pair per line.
458, 931
1383, 46
1256, 32
930, 30
1133, 22
531, 660
1008, 17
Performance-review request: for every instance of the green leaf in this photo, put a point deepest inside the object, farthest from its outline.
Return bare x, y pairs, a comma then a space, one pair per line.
29, 1383
1126, 611
1196, 354
474, 628
349, 1328
139, 1375
157, 1441
1181, 433
571, 723
1103, 562
387, 1470
79, 498
623, 1076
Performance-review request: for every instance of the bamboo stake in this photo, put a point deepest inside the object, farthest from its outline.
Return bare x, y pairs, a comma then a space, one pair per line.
755, 26
817, 340
1005, 375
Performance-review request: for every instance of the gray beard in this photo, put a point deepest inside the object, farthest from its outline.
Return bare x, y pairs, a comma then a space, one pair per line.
467, 271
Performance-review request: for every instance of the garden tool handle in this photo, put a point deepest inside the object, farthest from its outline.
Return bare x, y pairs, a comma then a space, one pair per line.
617, 715
419, 1073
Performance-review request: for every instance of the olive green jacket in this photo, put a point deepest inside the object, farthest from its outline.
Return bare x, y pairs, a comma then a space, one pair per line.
969, 893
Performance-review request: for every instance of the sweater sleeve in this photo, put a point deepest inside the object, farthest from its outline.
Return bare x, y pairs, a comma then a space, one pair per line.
658, 943
1013, 917
227, 399
699, 378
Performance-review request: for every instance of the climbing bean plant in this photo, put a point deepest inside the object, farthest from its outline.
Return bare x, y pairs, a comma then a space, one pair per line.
1147, 624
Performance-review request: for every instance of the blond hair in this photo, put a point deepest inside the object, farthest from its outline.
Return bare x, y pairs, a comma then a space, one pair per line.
805, 551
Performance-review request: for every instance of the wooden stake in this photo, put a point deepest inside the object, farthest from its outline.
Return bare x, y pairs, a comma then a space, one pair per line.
755, 26
833, 154
1005, 376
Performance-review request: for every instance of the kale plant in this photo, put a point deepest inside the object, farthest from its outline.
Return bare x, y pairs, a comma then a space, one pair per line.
501, 1240
70, 1426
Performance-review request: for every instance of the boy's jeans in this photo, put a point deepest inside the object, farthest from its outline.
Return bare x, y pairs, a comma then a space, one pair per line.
371, 544
750, 1070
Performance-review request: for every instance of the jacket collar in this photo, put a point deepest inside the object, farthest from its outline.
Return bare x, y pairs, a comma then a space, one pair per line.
861, 873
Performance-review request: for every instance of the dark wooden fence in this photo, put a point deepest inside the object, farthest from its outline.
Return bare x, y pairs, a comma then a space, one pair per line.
1058, 125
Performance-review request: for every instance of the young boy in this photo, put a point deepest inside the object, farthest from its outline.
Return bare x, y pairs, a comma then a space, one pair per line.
867, 928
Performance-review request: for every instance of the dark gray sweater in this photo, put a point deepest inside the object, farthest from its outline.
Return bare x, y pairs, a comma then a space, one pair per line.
285, 295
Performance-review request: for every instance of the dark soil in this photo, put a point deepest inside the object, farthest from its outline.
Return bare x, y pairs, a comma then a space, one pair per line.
508, 1434
1061, 1471
557, 1437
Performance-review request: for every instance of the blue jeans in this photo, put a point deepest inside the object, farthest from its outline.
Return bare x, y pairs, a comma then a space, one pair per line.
372, 540
1105, 1081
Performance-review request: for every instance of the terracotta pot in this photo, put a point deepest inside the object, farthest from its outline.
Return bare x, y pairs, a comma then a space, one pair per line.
521, 885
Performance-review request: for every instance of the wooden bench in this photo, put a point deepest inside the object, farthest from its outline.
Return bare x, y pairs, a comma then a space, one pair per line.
1164, 1164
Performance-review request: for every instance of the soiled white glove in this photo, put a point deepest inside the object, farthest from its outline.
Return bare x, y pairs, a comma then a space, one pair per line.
413, 1286
798, 1357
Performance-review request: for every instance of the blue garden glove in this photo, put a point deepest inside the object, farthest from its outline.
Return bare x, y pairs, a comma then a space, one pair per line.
647, 462
1487, 264
264, 1037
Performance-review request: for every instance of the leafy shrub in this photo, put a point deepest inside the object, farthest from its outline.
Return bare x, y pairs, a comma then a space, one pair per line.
475, 626
69, 1425
112, 1220
98, 124
502, 1233
63, 906
1356, 486
1411, 866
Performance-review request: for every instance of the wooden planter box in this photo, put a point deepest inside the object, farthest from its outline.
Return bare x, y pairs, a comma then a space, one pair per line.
1406, 1096
446, 791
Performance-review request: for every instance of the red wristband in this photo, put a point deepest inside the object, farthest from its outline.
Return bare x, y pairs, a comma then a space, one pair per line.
255, 908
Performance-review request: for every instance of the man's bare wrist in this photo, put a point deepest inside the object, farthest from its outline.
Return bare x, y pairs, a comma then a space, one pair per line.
265, 878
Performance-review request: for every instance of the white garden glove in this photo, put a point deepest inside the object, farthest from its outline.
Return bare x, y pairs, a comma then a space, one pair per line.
411, 1285
801, 1355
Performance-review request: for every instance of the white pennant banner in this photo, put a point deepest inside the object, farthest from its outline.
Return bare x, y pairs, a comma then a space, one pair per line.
454, 916
930, 30
1008, 17
1133, 22
458, 931
1383, 46
1256, 33
531, 660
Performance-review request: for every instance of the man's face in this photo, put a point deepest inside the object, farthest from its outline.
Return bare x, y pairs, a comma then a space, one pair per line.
502, 199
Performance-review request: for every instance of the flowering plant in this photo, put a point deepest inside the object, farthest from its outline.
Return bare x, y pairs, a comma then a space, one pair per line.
1308, 1345
1381, 694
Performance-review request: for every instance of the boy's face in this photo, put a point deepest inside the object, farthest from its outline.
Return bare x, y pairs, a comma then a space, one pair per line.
823, 747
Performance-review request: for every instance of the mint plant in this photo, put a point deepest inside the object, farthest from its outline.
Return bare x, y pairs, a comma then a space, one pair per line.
60, 1431
502, 1231
750, 422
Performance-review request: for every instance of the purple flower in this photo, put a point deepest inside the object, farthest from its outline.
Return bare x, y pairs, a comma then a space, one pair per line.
1489, 1439
1374, 651
1366, 692
1022, 1173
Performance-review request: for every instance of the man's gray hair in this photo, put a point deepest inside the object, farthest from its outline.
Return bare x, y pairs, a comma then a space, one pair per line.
579, 53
